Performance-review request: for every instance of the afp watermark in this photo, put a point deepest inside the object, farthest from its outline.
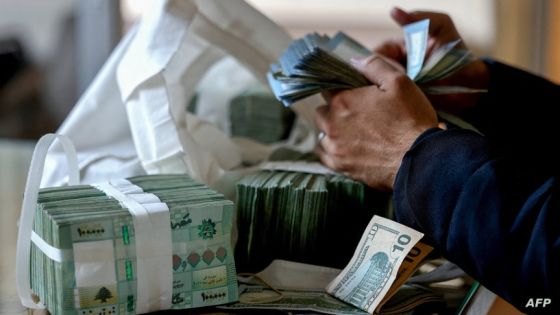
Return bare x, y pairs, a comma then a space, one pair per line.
538, 302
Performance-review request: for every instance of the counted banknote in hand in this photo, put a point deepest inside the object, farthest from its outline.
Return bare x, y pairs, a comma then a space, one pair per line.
316, 63
373, 269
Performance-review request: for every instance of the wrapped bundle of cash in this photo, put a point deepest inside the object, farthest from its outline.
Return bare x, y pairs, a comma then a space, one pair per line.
90, 257
311, 218
316, 63
259, 116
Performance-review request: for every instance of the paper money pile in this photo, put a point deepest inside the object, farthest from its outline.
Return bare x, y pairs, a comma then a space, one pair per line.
259, 116
316, 63
77, 218
311, 218
407, 298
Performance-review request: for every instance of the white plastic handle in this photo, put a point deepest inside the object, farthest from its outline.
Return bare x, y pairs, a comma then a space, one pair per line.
27, 216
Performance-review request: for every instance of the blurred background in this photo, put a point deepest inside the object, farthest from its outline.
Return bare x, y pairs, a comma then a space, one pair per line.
51, 50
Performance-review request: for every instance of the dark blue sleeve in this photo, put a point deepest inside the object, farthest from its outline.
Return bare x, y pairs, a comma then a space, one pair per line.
518, 114
491, 203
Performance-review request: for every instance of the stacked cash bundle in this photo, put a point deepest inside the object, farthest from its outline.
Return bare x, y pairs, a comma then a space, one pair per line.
316, 63
302, 217
259, 116
75, 218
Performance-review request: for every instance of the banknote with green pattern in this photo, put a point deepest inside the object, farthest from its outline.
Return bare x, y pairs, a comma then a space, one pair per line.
86, 225
407, 298
303, 217
316, 63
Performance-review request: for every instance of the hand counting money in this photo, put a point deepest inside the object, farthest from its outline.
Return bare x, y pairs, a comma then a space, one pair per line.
316, 63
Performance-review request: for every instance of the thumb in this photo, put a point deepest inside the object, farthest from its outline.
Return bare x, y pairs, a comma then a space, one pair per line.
376, 69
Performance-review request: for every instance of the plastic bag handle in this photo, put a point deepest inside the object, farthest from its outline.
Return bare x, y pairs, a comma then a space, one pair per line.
27, 215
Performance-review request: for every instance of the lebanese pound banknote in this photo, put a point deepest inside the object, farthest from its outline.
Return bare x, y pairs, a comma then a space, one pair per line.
291, 300
416, 42
367, 279
99, 272
317, 63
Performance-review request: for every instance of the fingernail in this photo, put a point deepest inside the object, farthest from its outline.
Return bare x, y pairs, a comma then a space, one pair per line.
362, 62
357, 61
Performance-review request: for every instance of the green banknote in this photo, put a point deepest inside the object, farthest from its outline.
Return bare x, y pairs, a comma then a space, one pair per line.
316, 63
408, 298
257, 115
310, 218
292, 300
95, 234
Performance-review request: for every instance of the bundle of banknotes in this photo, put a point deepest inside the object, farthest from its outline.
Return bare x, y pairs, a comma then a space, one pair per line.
304, 217
319, 219
257, 115
407, 300
374, 281
438, 287
316, 63
73, 219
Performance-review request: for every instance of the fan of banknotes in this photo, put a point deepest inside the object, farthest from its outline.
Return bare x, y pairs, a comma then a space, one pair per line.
316, 63
74, 217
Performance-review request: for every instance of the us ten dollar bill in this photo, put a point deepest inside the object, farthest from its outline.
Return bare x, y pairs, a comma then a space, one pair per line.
374, 273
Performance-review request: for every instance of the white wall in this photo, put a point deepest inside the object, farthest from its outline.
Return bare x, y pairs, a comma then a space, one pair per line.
506, 29
369, 20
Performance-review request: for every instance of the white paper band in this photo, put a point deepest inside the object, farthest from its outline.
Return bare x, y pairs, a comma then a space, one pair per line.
152, 232
56, 254
28, 210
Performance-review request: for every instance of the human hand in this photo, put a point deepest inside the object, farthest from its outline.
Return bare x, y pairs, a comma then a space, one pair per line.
442, 31
369, 129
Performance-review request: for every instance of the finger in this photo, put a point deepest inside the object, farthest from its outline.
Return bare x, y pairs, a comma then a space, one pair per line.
401, 17
393, 49
440, 23
376, 69
321, 118
441, 26
436, 19
329, 94
326, 159
327, 145
442, 125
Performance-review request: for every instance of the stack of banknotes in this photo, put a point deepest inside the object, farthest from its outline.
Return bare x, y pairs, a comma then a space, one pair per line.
259, 116
73, 219
374, 280
311, 218
408, 299
319, 219
316, 63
